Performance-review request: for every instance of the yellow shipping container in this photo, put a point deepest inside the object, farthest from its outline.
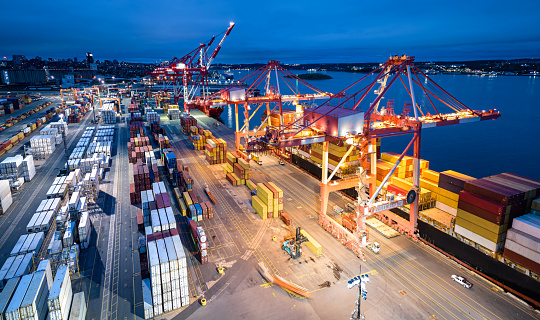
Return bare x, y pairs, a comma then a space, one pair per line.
21, 135
429, 185
447, 201
401, 183
431, 175
459, 175
491, 236
488, 225
313, 245
251, 185
14, 139
187, 198
259, 207
243, 163
264, 194
449, 195
183, 207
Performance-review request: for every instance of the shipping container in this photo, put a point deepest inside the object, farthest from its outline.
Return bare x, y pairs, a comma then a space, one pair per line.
147, 299
12, 311
6, 295
34, 304
61, 295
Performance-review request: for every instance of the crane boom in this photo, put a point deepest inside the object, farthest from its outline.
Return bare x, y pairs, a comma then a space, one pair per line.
216, 50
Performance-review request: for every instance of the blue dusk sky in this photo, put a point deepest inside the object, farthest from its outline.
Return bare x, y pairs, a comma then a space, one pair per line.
299, 31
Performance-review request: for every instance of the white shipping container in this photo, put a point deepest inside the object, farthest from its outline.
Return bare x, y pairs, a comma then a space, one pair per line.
6, 202
30, 225
14, 267
163, 219
170, 217
7, 294
78, 307
18, 245
529, 224
26, 264
147, 299
34, 304
523, 251
12, 311
5, 268
163, 259
27, 243
446, 208
156, 224
524, 239
5, 189
37, 242
153, 262
45, 265
60, 295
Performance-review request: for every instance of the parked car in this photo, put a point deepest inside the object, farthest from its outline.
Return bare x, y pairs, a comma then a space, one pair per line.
462, 281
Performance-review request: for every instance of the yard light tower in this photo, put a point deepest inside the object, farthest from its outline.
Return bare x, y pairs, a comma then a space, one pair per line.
359, 281
65, 143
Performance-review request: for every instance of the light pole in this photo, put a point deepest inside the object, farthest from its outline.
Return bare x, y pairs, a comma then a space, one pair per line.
65, 143
359, 281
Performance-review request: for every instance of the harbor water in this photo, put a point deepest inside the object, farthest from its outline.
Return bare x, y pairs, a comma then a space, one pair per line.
479, 149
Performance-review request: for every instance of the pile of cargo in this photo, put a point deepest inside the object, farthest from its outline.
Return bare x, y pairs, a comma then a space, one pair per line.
58, 188
199, 238
11, 169
268, 202
136, 129
29, 300
236, 169
42, 146
198, 137
167, 289
336, 150
61, 295
48, 131
108, 113
28, 168
152, 117
163, 142
5, 195
186, 122
141, 178
487, 207
133, 108
174, 114
215, 150
44, 215
138, 149
61, 126
195, 209
522, 244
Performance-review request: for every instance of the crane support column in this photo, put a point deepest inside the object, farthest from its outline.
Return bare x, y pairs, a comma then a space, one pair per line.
324, 181
416, 182
373, 172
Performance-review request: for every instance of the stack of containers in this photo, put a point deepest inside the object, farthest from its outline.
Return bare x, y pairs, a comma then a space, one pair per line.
13, 310
199, 237
450, 184
174, 274
174, 114
182, 267
60, 295
165, 275
155, 278
108, 113
7, 294
263, 202
229, 168
336, 151
152, 117
523, 242
241, 171
215, 150
5, 195
163, 142
11, 168
28, 168
61, 126
148, 305
84, 230
487, 206
34, 304
187, 122
42, 146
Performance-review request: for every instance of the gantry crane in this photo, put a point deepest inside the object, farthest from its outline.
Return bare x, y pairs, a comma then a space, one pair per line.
273, 79
189, 74
340, 119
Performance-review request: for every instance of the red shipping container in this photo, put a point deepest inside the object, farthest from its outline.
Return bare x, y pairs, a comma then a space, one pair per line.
166, 234
174, 232
396, 190
158, 235
526, 262
193, 197
479, 212
150, 237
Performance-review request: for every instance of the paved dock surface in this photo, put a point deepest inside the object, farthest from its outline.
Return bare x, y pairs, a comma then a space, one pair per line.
408, 280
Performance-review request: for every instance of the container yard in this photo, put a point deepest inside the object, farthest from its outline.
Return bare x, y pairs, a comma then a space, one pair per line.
157, 211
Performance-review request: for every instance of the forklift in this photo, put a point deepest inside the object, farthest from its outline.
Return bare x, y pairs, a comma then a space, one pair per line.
292, 245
